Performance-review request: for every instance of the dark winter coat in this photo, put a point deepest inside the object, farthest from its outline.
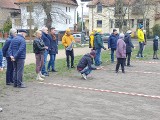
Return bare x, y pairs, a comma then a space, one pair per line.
112, 41
98, 42
1, 58
53, 44
38, 46
129, 45
17, 48
46, 39
6, 46
155, 44
85, 61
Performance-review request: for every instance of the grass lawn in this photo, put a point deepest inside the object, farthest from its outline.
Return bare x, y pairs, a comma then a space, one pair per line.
29, 47
29, 71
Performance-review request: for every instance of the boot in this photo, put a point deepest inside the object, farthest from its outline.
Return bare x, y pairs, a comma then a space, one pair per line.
39, 77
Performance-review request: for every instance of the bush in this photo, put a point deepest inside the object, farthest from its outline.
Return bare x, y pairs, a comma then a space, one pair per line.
156, 30
7, 25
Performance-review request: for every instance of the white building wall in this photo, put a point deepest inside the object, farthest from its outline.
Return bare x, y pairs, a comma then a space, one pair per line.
39, 16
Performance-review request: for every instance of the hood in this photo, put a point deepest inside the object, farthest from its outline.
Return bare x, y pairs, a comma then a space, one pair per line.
96, 34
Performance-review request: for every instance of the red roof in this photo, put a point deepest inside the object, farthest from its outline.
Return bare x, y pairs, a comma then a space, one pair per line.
9, 4
70, 2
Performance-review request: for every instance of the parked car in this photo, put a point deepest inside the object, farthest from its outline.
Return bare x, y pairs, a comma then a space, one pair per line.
77, 37
105, 37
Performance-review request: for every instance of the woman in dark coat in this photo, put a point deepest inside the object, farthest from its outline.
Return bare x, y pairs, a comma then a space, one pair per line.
155, 47
129, 46
53, 50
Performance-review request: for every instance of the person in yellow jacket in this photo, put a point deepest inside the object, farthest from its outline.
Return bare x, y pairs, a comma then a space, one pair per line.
141, 41
91, 40
68, 41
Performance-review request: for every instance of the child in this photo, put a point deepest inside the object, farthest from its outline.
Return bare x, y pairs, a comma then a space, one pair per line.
155, 47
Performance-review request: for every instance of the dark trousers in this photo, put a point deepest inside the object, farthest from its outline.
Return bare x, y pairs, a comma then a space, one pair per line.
18, 67
39, 62
155, 54
141, 47
120, 61
9, 71
112, 54
128, 59
70, 53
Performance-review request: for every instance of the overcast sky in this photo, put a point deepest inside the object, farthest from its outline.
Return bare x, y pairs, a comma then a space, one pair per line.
79, 9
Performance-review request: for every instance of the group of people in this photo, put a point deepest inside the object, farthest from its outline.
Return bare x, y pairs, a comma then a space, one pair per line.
46, 43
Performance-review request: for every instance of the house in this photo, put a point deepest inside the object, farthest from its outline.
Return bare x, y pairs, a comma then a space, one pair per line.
111, 14
7, 9
38, 13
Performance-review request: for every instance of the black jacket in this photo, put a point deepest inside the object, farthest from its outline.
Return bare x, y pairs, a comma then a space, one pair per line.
38, 46
129, 45
85, 61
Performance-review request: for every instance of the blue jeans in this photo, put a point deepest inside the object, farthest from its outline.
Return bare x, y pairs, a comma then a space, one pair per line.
98, 57
18, 67
45, 62
51, 62
141, 47
86, 71
112, 54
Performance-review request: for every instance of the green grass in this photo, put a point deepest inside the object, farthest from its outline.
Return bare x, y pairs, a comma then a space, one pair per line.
30, 74
29, 47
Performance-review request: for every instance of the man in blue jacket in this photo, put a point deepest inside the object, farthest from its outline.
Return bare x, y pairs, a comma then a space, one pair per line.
46, 39
1, 58
17, 53
53, 50
112, 43
9, 71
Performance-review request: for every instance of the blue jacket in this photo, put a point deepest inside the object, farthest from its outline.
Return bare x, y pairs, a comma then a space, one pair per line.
129, 45
112, 41
98, 42
6, 46
17, 48
1, 58
155, 44
46, 39
53, 45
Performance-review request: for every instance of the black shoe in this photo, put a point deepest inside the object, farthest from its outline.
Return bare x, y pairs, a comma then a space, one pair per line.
9, 83
45, 74
22, 86
123, 71
72, 67
116, 71
54, 71
129, 66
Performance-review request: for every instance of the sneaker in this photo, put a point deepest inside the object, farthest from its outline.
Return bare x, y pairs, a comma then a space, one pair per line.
39, 78
45, 74
72, 67
84, 76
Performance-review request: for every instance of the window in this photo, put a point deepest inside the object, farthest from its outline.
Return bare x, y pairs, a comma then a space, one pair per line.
69, 21
66, 21
99, 8
99, 23
69, 9
125, 22
117, 23
29, 8
66, 9
17, 22
30, 22
111, 23
132, 22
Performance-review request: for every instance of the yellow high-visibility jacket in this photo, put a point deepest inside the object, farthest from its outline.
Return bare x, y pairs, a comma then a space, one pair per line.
140, 35
67, 40
92, 41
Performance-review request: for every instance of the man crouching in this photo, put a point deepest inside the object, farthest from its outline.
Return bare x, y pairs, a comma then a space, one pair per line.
85, 65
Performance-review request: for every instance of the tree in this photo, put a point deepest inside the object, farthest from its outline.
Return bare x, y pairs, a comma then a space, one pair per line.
7, 25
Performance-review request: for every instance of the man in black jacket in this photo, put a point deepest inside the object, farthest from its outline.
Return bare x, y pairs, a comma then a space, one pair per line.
85, 65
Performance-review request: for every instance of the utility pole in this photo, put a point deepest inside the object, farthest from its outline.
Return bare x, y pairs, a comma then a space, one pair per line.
82, 14
30, 18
